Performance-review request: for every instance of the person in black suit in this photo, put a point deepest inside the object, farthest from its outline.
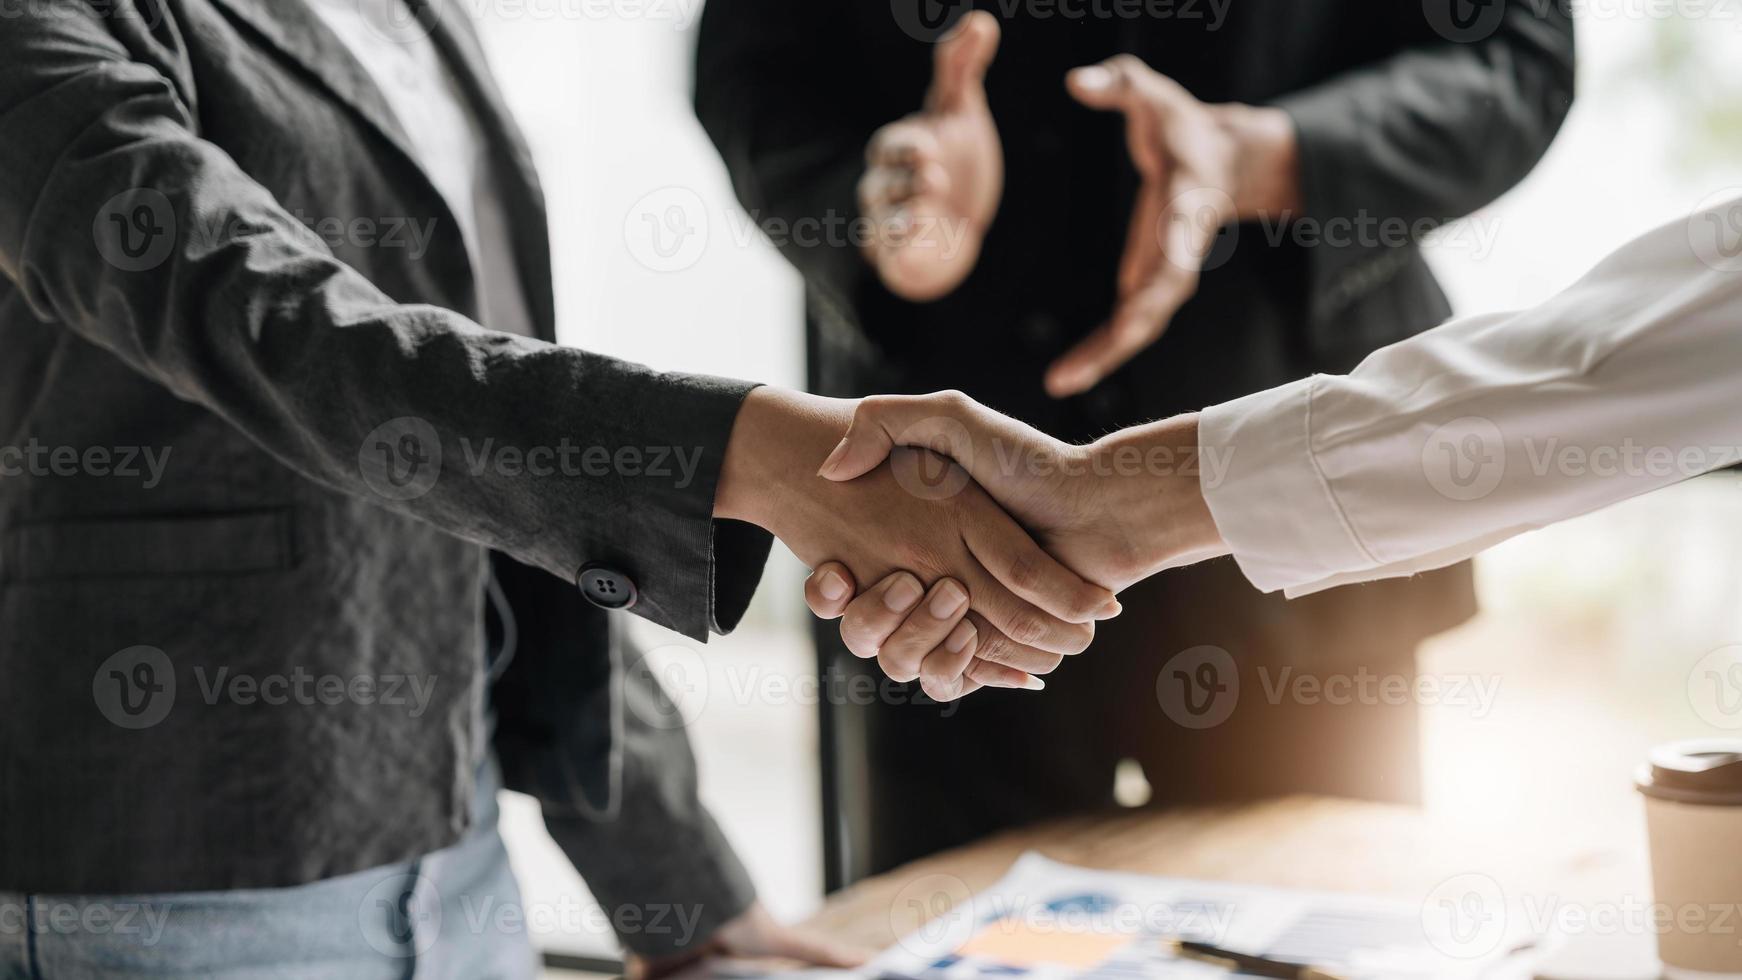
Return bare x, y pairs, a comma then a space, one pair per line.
1221, 198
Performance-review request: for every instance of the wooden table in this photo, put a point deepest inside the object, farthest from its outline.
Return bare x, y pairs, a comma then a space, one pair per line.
1300, 842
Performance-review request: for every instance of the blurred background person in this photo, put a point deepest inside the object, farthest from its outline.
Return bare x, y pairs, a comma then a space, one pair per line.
1228, 197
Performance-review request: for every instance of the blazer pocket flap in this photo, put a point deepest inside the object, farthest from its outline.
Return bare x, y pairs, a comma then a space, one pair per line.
196, 544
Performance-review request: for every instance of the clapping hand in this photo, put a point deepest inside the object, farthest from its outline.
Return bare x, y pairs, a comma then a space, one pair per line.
1201, 166
933, 179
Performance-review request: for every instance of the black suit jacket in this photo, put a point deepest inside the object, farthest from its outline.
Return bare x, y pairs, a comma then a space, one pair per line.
162, 163
1408, 114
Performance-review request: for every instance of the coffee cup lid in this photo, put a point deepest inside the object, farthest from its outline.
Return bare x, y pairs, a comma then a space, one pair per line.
1707, 770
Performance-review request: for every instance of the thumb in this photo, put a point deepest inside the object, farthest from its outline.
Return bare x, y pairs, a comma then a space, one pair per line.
829, 589
948, 423
1108, 85
959, 64
883, 422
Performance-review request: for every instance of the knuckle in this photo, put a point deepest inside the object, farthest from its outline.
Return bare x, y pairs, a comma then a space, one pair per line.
922, 557
953, 398
1078, 636
897, 669
940, 686
999, 650
993, 649
905, 647
1026, 571
873, 407
859, 636
1124, 66
1026, 628
981, 672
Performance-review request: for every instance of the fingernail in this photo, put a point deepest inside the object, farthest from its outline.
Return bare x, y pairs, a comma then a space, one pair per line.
833, 586
1108, 611
959, 637
1033, 683
901, 596
834, 457
1094, 78
901, 222
949, 598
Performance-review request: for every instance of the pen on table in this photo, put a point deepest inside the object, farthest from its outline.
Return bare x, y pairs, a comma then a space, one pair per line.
1246, 963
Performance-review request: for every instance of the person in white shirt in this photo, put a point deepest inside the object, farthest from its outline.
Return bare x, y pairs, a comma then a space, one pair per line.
1429, 451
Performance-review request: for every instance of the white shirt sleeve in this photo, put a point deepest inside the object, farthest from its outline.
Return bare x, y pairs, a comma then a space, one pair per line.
1444, 444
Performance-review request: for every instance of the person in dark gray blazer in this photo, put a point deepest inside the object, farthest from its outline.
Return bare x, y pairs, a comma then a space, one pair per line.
298, 561
1225, 196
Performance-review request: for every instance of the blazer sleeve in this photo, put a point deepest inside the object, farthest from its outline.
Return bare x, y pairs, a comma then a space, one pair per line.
1429, 134
236, 306
774, 103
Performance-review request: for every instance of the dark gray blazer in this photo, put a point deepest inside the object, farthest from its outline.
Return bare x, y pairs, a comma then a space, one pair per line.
198, 267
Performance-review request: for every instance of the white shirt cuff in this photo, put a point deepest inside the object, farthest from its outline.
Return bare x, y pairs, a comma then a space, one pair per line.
1270, 502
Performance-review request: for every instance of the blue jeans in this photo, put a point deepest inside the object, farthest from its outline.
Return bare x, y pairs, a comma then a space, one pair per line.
452, 914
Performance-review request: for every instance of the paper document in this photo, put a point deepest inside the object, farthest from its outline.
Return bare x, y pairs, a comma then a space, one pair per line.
1051, 921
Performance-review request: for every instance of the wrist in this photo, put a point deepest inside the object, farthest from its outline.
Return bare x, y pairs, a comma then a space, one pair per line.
1161, 507
778, 439
1266, 152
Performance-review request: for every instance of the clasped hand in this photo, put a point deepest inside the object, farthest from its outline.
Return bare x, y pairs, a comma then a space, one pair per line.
957, 557
1112, 512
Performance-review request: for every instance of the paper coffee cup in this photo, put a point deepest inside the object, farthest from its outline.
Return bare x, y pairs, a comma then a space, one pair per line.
1693, 816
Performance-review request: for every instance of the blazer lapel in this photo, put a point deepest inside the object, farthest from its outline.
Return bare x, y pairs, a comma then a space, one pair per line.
516, 175
299, 34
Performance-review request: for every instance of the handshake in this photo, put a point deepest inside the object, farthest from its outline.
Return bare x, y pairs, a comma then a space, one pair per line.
962, 548
986, 550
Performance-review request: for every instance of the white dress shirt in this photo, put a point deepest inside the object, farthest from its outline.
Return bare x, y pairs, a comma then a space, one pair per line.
446, 139
1444, 444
